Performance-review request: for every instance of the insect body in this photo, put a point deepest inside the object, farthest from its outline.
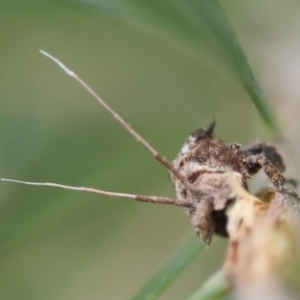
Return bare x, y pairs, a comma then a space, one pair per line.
205, 162
210, 167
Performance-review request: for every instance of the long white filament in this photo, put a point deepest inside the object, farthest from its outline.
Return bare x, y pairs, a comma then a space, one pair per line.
132, 132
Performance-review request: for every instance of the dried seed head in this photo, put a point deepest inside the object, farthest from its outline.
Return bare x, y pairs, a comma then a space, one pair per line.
263, 239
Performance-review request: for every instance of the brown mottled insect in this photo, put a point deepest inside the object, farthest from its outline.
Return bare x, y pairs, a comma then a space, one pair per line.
207, 164
204, 172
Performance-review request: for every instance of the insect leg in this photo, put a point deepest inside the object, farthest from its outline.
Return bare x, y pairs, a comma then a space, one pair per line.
266, 150
256, 162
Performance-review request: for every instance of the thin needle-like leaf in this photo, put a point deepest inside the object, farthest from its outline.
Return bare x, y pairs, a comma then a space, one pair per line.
212, 13
215, 288
171, 270
186, 21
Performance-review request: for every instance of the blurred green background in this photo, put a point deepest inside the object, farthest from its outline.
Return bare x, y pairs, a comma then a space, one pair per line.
166, 78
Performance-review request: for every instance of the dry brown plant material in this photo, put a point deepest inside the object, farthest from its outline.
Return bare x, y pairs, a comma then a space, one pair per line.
263, 239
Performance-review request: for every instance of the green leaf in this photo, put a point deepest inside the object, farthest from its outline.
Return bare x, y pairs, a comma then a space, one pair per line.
212, 13
215, 288
171, 270
197, 23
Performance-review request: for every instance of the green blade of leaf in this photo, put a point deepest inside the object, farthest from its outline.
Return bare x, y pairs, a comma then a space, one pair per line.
212, 13
171, 270
215, 288
185, 21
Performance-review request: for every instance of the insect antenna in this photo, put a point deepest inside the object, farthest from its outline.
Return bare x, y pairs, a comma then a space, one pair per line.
132, 132
142, 198
127, 127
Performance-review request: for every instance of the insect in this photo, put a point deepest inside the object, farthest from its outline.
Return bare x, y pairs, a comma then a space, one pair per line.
204, 172
207, 163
